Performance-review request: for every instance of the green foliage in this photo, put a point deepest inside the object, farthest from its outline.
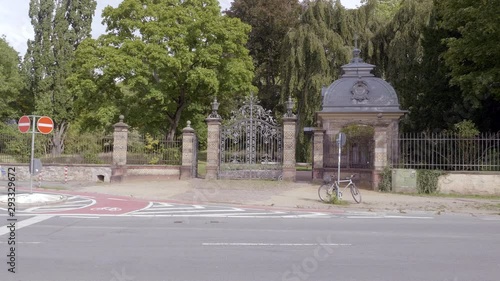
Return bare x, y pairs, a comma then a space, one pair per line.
427, 181
10, 81
153, 150
270, 21
59, 27
473, 53
386, 183
466, 129
170, 58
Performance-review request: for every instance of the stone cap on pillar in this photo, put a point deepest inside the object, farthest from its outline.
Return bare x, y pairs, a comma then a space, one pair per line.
188, 128
121, 124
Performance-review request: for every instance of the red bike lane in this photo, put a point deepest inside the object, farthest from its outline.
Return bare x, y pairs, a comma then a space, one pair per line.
105, 204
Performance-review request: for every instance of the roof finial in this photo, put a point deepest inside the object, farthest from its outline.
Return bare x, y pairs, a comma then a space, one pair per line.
356, 52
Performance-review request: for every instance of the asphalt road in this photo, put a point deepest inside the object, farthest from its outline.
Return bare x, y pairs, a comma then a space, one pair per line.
118, 248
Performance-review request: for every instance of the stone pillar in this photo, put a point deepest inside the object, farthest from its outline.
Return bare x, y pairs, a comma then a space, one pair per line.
213, 147
380, 157
289, 144
318, 150
120, 138
213, 142
188, 152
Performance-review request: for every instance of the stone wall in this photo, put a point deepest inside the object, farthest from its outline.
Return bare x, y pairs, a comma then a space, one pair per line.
480, 183
154, 171
62, 173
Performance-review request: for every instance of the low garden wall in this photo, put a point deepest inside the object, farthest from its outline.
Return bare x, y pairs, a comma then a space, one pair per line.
88, 173
61, 173
480, 183
464, 183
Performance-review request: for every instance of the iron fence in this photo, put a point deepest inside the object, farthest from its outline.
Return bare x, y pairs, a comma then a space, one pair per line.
448, 152
78, 149
153, 150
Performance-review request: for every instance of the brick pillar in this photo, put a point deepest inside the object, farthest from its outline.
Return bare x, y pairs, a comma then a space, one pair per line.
120, 138
213, 147
188, 151
380, 159
318, 150
289, 144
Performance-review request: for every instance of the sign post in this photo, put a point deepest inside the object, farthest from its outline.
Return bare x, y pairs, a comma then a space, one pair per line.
45, 125
341, 140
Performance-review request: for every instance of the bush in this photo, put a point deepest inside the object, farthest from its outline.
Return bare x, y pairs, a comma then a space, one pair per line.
427, 181
386, 183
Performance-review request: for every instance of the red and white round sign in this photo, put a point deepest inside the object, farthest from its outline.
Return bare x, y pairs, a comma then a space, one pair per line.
24, 124
45, 125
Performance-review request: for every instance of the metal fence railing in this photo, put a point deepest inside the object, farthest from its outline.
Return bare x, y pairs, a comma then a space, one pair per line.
85, 148
153, 150
448, 152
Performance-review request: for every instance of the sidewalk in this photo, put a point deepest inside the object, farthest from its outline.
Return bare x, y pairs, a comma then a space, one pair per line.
289, 195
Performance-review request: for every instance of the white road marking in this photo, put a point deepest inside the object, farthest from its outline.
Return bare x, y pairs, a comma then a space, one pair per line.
79, 217
275, 244
117, 199
17, 242
406, 217
145, 212
24, 223
148, 206
490, 219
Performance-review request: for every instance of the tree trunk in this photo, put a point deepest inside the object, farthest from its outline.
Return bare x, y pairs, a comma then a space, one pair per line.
58, 138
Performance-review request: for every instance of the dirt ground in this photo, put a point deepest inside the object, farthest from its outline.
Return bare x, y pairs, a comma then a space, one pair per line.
277, 194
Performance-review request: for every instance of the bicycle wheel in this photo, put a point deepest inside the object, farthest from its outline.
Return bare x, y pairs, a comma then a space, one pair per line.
325, 192
355, 193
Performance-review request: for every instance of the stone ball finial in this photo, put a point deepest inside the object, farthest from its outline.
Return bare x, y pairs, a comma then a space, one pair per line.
121, 117
188, 124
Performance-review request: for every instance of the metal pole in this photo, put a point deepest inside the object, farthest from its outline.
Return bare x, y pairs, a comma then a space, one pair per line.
32, 168
338, 172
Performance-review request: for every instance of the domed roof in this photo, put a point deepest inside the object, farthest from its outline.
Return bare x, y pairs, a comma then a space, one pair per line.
358, 90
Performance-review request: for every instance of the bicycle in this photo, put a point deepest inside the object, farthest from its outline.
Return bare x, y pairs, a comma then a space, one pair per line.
329, 189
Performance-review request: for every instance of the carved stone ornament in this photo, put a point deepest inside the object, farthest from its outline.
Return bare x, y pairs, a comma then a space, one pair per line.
360, 91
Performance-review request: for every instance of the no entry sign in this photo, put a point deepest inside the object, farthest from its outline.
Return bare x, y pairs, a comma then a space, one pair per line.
24, 124
45, 125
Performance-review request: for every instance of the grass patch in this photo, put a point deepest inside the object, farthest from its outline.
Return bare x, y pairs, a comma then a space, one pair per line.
202, 168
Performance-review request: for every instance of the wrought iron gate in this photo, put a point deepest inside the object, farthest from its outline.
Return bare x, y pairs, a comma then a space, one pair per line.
251, 144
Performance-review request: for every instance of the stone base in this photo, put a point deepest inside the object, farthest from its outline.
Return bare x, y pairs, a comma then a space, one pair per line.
317, 174
376, 178
289, 174
211, 173
118, 173
186, 172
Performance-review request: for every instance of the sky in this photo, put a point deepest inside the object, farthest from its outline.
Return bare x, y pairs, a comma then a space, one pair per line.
15, 23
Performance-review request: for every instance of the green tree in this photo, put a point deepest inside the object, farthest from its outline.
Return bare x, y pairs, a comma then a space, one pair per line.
473, 56
162, 62
314, 51
11, 82
59, 26
270, 21
436, 105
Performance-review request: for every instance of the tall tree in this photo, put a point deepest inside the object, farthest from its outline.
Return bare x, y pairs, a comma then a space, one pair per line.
11, 82
314, 51
400, 48
473, 55
60, 26
160, 60
436, 105
270, 21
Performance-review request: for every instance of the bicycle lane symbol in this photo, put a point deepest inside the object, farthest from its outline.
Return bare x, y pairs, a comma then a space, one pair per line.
111, 209
111, 206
